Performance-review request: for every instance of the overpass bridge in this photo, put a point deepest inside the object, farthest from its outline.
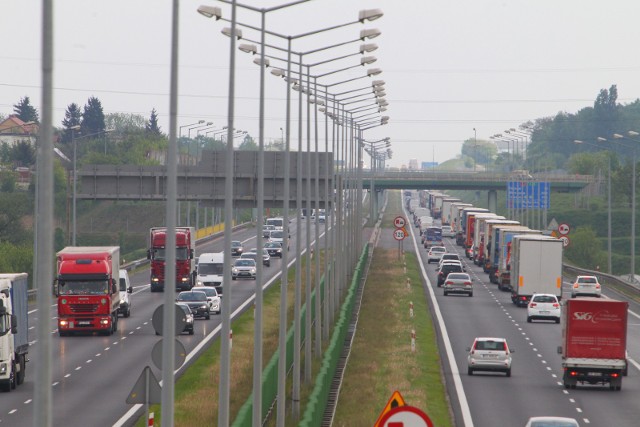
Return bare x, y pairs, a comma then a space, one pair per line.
443, 180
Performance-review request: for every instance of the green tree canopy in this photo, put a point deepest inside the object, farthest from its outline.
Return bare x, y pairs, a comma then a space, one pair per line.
25, 111
72, 117
152, 127
93, 120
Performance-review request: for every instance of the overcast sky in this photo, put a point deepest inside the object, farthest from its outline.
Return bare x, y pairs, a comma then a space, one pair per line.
449, 66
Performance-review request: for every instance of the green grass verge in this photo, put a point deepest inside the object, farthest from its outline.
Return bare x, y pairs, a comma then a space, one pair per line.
381, 359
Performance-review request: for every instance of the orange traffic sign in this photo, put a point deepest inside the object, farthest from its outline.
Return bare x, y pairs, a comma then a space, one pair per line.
395, 401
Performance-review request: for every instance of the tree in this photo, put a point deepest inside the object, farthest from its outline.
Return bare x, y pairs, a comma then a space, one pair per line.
125, 123
606, 110
588, 163
152, 127
248, 144
23, 154
25, 111
92, 117
72, 117
585, 249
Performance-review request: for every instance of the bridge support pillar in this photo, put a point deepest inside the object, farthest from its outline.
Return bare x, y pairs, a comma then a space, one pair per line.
492, 201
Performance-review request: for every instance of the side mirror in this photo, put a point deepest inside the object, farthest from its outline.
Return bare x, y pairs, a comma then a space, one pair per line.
148, 253
14, 324
130, 289
56, 289
559, 349
114, 288
190, 253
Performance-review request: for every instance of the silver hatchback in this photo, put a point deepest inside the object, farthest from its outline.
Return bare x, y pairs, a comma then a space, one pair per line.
489, 354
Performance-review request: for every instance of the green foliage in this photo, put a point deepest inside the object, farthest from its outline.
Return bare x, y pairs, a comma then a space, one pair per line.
123, 123
72, 117
25, 111
480, 151
23, 154
585, 248
152, 127
16, 258
93, 120
7, 181
248, 144
588, 163
13, 208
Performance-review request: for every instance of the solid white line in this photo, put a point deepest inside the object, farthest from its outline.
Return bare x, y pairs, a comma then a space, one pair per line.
457, 382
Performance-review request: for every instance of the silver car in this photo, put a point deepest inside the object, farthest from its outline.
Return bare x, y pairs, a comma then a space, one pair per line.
244, 268
458, 283
489, 354
586, 285
552, 422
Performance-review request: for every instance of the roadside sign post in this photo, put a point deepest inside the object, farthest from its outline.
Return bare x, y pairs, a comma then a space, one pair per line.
400, 233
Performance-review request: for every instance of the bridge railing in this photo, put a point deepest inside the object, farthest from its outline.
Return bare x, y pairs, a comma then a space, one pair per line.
471, 175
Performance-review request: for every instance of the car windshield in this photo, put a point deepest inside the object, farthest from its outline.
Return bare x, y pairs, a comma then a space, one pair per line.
84, 287
192, 296
249, 255
276, 234
553, 424
438, 249
544, 298
587, 280
244, 262
206, 269
490, 345
123, 284
236, 244
210, 292
272, 245
456, 276
185, 308
448, 268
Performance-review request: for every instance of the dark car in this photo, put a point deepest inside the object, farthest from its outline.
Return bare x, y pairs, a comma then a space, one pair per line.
188, 318
197, 302
445, 270
274, 249
236, 248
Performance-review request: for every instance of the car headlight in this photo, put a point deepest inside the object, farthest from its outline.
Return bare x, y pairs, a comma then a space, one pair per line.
253, 271
204, 306
155, 279
199, 283
189, 319
234, 270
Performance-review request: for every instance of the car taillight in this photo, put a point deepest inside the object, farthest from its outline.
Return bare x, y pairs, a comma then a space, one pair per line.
532, 304
597, 285
449, 282
440, 274
575, 285
556, 305
467, 283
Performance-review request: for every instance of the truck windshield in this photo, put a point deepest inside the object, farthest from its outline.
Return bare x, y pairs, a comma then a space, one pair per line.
205, 269
82, 287
160, 254
5, 325
275, 222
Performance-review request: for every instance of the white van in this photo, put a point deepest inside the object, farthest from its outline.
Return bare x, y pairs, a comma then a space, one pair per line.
211, 270
278, 223
125, 290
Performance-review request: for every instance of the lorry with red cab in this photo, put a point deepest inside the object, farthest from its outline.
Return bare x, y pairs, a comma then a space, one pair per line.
87, 288
594, 341
185, 260
14, 329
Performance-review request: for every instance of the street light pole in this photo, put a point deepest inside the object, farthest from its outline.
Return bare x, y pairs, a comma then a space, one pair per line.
475, 148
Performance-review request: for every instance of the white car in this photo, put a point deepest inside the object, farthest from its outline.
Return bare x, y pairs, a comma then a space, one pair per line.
448, 257
244, 268
213, 298
489, 354
586, 285
552, 422
125, 290
447, 231
435, 253
543, 307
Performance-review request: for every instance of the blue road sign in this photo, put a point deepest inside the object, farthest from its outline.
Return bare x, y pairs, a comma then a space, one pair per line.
528, 195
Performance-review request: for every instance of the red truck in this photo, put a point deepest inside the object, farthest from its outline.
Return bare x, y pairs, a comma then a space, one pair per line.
87, 289
594, 344
185, 261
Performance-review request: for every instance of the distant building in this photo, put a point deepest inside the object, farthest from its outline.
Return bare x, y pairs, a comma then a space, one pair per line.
13, 131
413, 164
429, 165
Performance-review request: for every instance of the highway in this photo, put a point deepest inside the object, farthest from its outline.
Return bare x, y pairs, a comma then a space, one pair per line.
535, 387
93, 375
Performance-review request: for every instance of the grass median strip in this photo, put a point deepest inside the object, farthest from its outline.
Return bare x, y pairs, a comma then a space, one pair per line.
381, 359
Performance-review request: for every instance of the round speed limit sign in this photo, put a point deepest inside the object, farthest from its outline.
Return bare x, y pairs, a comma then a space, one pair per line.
398, 234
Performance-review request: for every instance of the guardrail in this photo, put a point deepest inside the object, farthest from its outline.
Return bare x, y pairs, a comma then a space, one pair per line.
465, 176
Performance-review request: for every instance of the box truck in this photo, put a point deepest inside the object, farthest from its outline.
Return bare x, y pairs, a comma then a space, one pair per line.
594, 341
14, 328
536, 267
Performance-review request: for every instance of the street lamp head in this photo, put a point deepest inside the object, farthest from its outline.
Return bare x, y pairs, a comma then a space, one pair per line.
258, 61
200, 121
633, 133
369, 15
618, 136
370, 33
368, 60
227, 32
278, 72
577, 141
381, 110
368, 47
210, 12
380, 94
378, 83
248, 48
601, 139
512, 129
373, 72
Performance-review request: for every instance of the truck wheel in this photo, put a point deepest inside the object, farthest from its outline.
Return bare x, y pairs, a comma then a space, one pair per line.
23, 369
469, 371
128, 312
528, 319
508, 372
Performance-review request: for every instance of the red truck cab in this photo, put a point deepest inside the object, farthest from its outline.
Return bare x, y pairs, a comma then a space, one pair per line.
86, 287
185, 262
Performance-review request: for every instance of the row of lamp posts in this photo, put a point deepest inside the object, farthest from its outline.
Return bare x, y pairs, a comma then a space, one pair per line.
344, 237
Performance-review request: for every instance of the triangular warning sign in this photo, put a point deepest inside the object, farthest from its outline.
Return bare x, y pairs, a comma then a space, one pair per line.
146, 390
395, 401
